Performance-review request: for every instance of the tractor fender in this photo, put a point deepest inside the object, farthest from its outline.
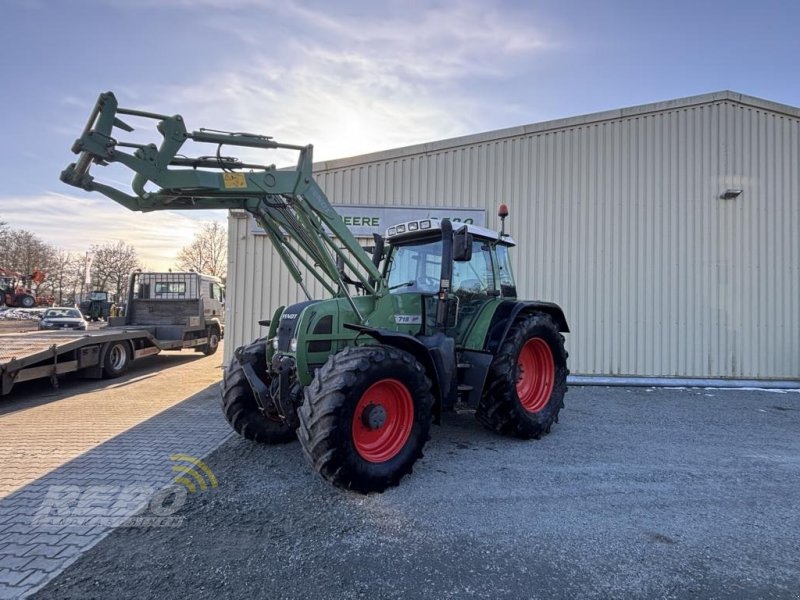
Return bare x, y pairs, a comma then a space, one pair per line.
508, 311
441, 383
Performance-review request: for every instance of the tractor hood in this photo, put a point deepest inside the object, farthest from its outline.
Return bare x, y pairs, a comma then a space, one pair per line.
290, 319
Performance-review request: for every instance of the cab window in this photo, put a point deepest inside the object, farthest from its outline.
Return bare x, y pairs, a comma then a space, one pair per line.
476, 275
170, 287
415, 268
216, 291
508, 289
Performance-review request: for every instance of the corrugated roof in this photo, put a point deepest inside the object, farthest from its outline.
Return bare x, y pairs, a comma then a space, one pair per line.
557, 124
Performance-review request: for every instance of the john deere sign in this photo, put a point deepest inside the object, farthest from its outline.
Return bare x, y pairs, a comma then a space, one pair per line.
366, 220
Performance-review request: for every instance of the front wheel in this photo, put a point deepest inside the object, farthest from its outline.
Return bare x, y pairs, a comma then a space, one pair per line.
27, 301
210, 347
366, 417
527, 380
241, 410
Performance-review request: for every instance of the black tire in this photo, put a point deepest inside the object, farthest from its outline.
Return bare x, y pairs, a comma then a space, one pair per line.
212, 333
117, 359
500, 408
26, 301
242, 411
336, 440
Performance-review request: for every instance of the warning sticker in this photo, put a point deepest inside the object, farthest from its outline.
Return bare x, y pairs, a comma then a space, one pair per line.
234, 180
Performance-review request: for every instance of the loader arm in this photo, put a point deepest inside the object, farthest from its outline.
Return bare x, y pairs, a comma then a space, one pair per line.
288, 204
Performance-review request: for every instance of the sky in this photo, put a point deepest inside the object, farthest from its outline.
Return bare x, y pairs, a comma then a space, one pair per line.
350, 77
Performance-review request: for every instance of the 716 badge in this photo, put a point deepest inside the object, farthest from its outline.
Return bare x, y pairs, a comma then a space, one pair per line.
408, 319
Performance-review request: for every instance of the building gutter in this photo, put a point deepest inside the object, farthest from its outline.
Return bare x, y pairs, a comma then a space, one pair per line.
761, 384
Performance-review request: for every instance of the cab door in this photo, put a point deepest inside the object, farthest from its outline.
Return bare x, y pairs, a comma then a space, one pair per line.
474, 288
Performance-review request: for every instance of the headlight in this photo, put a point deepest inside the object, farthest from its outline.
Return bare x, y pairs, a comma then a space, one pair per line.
293, 345
275, 343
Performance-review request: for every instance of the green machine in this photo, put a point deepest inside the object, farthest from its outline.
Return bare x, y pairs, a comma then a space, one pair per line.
427, 322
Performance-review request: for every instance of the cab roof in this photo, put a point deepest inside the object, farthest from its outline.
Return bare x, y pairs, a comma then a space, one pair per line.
410, 230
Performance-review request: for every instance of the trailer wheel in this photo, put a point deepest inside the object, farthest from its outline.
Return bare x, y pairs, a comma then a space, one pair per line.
117, 359
243, 414
26, 301
212, 334
366, 417
527, 380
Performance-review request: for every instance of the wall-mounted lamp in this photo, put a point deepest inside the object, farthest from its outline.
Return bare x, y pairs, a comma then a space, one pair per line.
730, 194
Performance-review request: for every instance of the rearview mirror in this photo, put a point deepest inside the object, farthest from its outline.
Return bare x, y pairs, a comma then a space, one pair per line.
462, 245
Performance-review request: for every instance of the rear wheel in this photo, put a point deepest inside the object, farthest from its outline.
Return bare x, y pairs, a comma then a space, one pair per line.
366, 417
527, 380
117, 360
241, 409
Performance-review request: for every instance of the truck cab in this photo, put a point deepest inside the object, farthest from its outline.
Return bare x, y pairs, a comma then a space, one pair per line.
176, 307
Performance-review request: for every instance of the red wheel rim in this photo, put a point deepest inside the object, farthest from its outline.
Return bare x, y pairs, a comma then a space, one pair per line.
536, 377
383, 420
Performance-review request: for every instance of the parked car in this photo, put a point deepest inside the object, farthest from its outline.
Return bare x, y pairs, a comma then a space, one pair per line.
62, 318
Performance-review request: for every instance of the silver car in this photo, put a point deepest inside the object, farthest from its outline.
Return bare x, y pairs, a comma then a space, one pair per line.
62, 318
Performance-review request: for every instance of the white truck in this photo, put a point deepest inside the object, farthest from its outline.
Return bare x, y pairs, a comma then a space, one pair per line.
163, 311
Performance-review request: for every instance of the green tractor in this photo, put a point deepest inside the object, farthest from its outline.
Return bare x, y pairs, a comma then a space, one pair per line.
429, 321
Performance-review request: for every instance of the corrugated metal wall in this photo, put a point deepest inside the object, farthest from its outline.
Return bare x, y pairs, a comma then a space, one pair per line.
619, 219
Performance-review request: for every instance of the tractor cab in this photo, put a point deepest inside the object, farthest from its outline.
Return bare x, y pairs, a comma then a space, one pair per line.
479, 274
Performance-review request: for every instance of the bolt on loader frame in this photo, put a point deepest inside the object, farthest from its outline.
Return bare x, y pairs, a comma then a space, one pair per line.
428, 322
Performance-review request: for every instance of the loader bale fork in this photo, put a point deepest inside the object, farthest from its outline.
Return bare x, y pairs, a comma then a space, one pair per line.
428, 322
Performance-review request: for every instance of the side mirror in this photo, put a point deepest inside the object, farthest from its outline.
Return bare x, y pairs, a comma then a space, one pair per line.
462, 245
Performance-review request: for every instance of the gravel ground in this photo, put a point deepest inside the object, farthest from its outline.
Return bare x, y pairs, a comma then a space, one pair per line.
636, 494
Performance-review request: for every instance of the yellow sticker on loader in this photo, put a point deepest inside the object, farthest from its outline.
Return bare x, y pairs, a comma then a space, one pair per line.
234, 180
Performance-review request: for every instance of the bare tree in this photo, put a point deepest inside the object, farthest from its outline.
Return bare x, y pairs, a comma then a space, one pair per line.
61, 275
75, 277
208, 252
111, 265
24, 251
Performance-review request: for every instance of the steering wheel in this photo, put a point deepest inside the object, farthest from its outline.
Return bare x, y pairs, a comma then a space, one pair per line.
426, 283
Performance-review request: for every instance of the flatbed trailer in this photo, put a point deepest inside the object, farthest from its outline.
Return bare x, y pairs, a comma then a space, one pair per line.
104, 352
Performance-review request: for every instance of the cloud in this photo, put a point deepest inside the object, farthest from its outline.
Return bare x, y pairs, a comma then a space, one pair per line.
456, 41
343, 105
350, 79
74, 223
355, 79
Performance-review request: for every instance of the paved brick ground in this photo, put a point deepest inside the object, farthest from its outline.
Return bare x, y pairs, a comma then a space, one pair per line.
77, 461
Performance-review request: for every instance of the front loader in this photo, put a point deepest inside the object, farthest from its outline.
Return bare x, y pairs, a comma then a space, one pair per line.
429, 321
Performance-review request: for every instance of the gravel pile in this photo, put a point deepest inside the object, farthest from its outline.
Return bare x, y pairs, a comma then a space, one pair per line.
21, 314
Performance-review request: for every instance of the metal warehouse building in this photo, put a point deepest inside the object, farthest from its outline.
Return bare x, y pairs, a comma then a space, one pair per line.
669, 232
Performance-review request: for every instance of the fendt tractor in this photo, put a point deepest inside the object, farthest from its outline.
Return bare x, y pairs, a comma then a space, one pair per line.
428, 322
